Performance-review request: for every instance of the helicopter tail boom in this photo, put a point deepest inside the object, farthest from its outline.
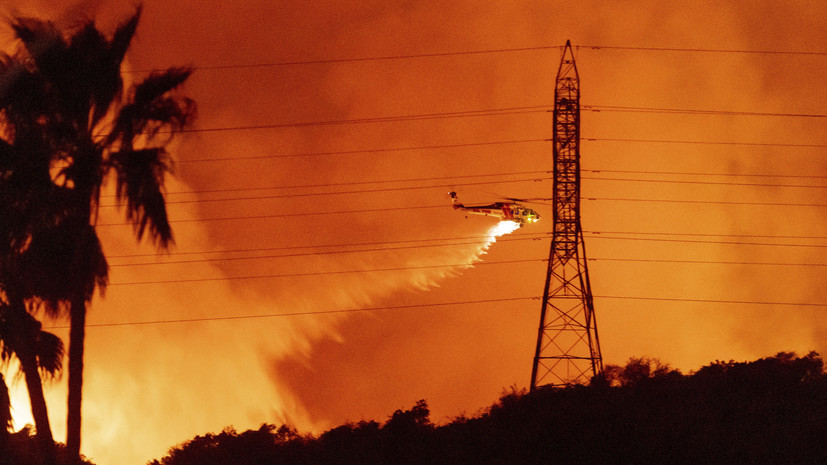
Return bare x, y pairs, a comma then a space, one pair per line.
455, 201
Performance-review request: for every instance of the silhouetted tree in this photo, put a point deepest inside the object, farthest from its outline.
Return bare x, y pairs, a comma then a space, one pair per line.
29, 203
40, 353
267, 445
24, 449
407, 433
346, 442
68, 91
636, 370
5, 416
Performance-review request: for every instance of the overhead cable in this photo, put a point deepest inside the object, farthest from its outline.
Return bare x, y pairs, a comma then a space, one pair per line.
701, 142
322, 61
305, 313
322, 273
393, 244
688, 111
353, 152
702, 50
430, 305
424, 207
435, 186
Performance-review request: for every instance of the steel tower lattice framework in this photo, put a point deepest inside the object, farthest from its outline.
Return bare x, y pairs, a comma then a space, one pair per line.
568, 350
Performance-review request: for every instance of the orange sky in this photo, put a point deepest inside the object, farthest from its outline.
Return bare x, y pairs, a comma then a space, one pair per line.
151, 386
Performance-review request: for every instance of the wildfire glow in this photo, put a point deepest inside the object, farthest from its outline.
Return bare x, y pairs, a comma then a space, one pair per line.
212, 365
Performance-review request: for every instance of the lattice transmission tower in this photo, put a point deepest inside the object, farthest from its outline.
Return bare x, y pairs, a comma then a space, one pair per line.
568, 350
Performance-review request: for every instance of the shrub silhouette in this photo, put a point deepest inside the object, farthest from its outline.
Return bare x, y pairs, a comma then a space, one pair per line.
771, 410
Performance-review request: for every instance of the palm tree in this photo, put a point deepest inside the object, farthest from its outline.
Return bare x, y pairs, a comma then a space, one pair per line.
5, 415
93, 131
40, 353
30, 206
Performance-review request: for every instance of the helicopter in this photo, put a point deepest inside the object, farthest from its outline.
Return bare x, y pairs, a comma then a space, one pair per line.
508, 211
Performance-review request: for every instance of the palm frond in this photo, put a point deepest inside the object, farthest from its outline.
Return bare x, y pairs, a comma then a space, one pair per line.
7, 155
152, 109
23, 96
85, 171
94, 83
44, 44
21, 333
124, 34
11, 71
6, 352
26, 204
42, 40
61, 262
8, 331
140, 177
157, 84
50, 351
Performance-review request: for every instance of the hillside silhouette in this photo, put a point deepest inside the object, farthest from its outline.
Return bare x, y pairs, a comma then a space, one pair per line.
772, 410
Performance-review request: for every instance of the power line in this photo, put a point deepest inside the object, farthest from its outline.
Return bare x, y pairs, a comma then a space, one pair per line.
706, 173
381, 119
322, 273
701, 142
317, 312
408, 247
700, 50
704, 262
451, 185
449, 115
713, 301
365, 151
713, 183
482, 183
427, 305
519, 173
322, 61
628, 109
480, 52
511, 237
290, 215
362, 191
480, 144
705, 202
304, 254
667, 233
354, 183
422, 207
489, 112
686, 241
339, 245
329, 252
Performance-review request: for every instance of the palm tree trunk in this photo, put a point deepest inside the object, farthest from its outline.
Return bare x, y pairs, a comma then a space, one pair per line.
24, 339
77, 332
5, 420
28, 363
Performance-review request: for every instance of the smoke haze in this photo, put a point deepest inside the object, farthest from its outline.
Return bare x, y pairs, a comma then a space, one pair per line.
150, 386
